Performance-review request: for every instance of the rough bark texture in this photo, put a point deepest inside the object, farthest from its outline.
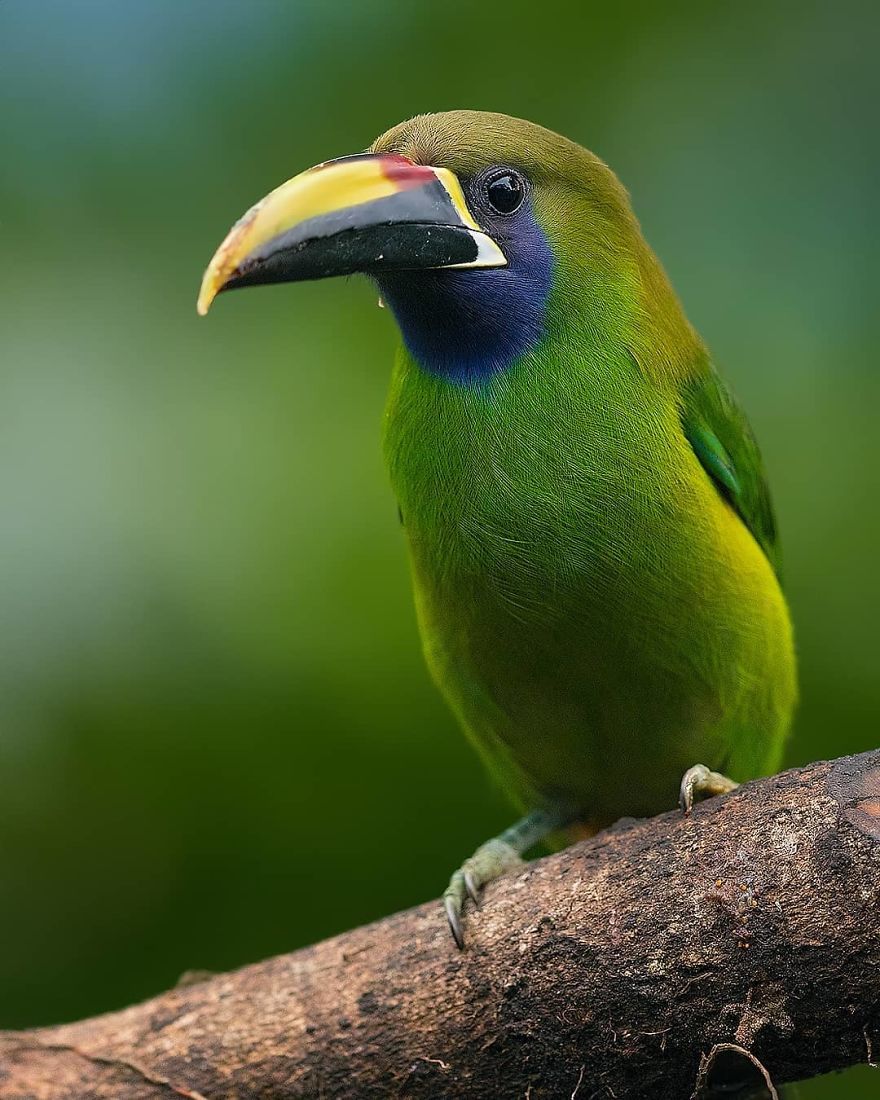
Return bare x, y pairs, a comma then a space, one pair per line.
656, 960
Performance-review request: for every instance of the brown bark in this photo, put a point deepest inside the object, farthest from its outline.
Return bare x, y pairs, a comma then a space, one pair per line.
652, 961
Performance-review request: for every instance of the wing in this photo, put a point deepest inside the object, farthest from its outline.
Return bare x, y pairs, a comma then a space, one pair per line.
719, 433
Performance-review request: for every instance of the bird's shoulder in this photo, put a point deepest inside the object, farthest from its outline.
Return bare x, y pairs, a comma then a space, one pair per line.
722, 439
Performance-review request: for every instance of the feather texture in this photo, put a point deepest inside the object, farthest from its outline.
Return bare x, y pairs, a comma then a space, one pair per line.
599, 613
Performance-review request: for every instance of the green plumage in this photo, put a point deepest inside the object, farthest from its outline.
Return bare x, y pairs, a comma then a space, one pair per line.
593, 547
719, 433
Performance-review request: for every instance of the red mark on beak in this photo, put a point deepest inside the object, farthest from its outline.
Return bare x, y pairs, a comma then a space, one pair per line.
404, 172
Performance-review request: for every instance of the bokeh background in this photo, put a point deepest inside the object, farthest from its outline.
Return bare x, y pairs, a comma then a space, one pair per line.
217, 738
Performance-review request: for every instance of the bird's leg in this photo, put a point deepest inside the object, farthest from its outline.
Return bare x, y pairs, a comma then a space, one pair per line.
491, 860
699, 781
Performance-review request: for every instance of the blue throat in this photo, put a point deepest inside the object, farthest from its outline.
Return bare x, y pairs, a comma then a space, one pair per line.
468, 326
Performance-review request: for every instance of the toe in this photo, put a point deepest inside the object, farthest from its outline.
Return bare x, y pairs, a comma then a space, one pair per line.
453, 903
692, 781
471, 885
699, 780
453, 916
489, 862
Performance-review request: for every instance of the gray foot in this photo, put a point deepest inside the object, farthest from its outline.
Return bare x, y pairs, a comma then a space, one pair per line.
490, 861
495, 858
699, 782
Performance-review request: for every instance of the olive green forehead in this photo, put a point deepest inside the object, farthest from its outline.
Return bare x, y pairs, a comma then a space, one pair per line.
469, 141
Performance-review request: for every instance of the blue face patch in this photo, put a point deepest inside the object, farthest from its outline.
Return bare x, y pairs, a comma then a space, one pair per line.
467, 326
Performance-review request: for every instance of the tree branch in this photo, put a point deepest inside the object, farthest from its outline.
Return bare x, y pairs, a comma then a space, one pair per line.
655, 961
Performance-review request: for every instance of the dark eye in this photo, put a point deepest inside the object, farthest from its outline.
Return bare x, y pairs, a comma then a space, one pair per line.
505, 192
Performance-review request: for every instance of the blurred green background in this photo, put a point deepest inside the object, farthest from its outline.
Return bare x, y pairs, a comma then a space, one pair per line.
217, 738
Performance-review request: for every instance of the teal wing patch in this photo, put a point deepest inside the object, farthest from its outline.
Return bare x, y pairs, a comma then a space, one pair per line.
717, 429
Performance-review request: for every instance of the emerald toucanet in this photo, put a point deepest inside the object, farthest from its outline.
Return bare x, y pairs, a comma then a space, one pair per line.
593, 548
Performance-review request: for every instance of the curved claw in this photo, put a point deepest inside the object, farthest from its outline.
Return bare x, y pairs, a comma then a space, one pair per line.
453, 915
471, 887
699, 780
691, 781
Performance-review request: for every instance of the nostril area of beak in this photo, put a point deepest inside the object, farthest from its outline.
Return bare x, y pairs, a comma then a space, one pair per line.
404, 172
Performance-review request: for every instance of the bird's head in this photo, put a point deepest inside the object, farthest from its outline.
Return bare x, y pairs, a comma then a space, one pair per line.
485, 234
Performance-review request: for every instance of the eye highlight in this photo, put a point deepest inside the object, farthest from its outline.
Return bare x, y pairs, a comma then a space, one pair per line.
505, 191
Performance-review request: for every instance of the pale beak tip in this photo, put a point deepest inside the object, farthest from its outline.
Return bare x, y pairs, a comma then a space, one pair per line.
207, 294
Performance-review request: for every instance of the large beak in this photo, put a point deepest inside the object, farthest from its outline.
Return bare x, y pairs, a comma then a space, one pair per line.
362, 213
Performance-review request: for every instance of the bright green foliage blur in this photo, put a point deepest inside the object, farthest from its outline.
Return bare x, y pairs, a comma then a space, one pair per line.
217, 738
